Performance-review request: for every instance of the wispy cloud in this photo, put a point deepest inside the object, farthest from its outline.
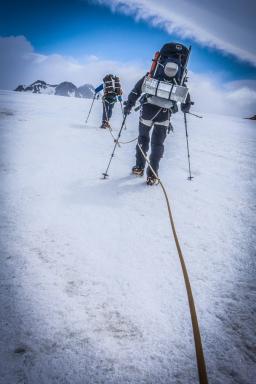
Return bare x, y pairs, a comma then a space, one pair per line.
228, 26
21, 64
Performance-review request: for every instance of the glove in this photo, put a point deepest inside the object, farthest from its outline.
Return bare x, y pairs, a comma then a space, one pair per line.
119, 98
174, 108
185, 107
127, 108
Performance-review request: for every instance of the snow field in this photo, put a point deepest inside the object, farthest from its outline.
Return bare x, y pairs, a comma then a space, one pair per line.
91, 282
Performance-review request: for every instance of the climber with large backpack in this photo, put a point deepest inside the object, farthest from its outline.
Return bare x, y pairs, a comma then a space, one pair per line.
112, 92
161, 88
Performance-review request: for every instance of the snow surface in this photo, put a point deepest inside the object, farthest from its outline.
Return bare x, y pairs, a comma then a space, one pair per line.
91, 285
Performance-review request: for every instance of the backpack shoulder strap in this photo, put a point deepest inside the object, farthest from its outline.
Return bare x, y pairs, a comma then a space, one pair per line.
185, 66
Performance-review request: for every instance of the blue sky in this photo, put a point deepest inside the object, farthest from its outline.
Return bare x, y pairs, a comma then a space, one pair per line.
77, 28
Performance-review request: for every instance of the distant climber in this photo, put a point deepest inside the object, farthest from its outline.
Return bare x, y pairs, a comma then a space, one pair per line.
112, 92
162, 87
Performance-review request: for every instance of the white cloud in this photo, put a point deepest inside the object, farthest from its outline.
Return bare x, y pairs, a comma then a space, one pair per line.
228, 99
228, 26
20, 64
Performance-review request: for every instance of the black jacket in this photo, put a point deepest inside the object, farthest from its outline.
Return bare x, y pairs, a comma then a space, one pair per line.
135, 92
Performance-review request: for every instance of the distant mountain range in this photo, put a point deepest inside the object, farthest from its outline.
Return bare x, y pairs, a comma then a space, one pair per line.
63, 89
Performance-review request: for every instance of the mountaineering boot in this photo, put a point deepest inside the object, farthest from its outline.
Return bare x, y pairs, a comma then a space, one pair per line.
152, 180
137, 171
105, 124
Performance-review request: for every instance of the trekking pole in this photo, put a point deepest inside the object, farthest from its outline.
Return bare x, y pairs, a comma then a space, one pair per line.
193, 114
90, 108
109, 127
186, 129
105, 174
121, 105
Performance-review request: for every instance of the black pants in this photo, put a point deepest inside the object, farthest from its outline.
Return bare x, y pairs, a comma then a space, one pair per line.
107, 110
158, 118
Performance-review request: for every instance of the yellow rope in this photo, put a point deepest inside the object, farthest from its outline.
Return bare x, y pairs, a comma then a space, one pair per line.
197, 337
202, 373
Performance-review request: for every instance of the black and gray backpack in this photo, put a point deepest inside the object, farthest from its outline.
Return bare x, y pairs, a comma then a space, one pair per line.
112, 86
164, 85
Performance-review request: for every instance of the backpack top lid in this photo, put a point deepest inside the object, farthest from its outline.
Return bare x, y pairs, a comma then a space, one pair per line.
108, 77
112, 85
175, 50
